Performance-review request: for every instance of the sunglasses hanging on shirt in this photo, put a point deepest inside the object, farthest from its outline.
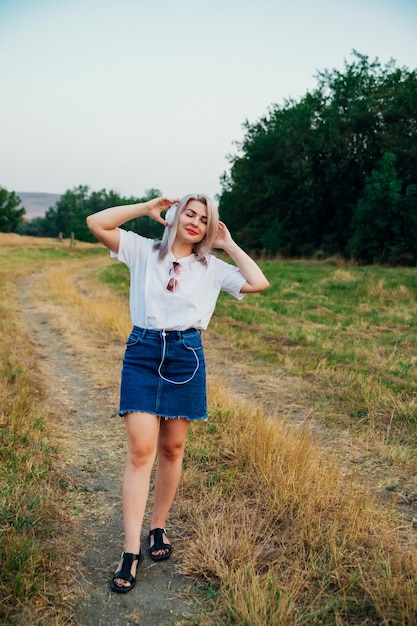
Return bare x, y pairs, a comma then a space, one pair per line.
173, 282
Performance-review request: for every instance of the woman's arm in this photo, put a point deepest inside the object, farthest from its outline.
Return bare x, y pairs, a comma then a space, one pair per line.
105, 224
255, 278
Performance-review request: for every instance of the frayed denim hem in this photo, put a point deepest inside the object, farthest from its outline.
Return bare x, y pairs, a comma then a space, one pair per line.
165, 417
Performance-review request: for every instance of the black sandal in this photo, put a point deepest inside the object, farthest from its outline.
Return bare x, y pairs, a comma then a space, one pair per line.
159, 544
124, 573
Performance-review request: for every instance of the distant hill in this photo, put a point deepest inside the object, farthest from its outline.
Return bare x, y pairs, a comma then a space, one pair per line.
36, 204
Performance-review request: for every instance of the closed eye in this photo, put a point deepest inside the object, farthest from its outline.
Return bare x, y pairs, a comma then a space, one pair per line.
191, 213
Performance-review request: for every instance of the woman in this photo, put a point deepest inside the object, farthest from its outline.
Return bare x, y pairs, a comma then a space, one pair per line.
174, 287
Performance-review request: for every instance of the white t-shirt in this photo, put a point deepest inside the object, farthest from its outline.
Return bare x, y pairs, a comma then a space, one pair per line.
153, 306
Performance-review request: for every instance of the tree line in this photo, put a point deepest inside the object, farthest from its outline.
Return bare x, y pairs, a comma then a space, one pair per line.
332, 173
68, 216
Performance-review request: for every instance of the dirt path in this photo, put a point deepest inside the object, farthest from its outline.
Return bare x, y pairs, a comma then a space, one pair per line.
83, 418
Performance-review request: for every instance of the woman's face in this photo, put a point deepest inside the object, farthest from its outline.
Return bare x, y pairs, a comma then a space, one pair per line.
192, 222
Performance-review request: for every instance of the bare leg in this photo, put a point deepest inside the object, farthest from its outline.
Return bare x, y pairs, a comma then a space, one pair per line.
171, 443
142, 432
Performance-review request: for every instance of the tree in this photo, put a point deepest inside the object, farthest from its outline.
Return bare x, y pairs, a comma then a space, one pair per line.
384, 221
10, 215
264, 198
70, 212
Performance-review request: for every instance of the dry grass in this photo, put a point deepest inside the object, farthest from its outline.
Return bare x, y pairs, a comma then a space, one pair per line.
342, 276
32, 508
12, 240
97, 306
283, 534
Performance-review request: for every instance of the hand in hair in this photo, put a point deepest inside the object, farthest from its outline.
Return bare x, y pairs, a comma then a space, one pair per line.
223, 237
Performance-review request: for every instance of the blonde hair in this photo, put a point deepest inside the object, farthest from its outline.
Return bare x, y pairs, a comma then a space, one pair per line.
201, 249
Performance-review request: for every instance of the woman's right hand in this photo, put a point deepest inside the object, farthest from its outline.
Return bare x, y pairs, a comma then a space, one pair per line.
157, 205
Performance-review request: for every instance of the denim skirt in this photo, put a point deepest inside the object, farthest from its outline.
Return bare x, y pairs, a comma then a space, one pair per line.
164, 373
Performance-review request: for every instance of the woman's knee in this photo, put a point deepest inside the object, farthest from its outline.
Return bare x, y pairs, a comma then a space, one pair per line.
140, 455
142, 432
171, 440
140, 461
171, 450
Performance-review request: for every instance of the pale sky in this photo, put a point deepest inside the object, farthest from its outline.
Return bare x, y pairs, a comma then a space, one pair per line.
134, 94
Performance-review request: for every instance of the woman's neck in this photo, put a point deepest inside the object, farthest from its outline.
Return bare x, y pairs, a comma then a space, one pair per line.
180, 250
